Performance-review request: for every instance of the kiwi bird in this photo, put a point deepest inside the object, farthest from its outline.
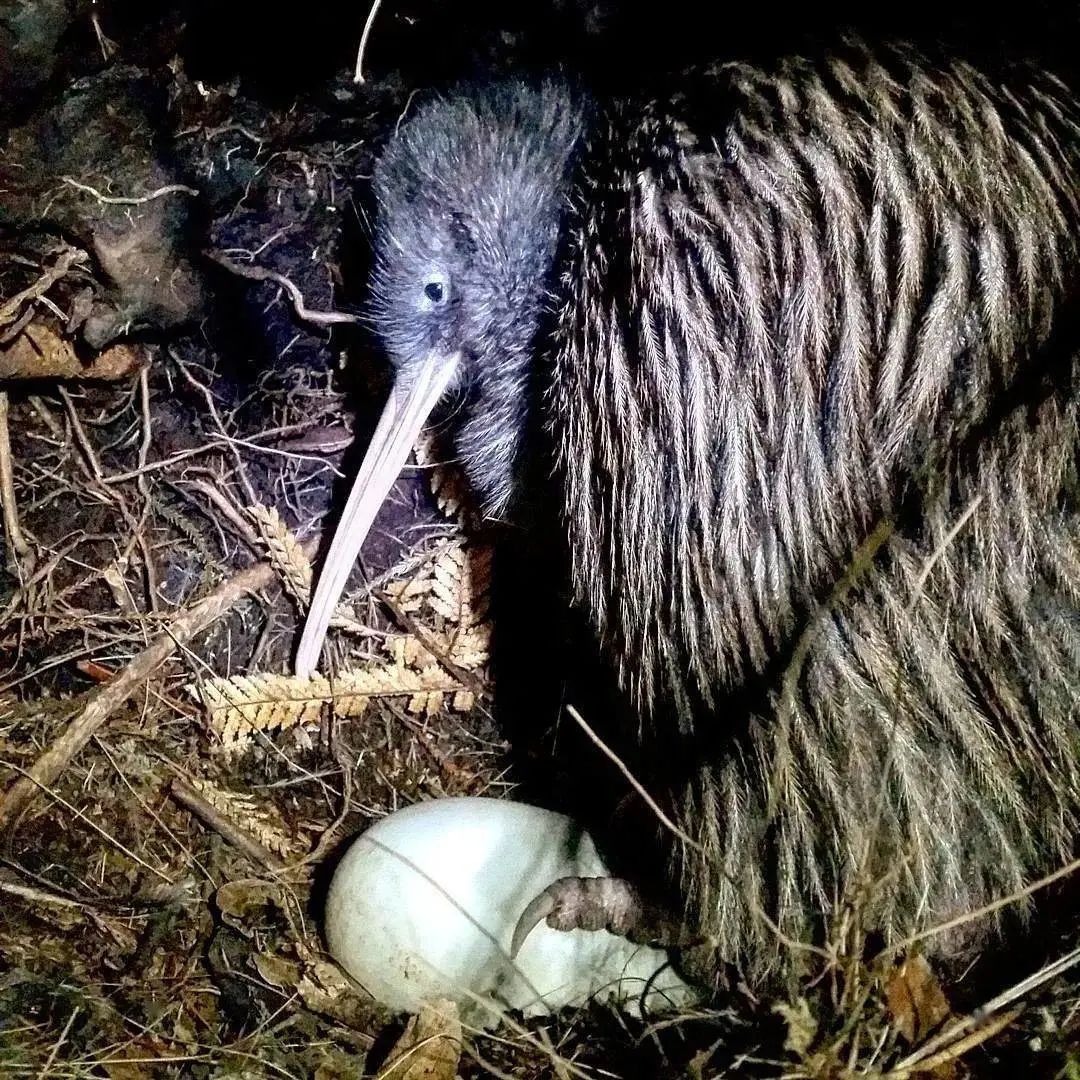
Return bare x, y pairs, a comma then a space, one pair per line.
794, 353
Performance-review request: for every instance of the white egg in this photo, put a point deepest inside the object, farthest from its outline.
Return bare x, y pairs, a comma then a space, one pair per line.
424, 903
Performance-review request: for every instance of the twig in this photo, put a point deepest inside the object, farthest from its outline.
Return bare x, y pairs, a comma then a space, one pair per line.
164, 463
228, 511
9, 885
936, 554
634, 782
82, 816
980, 912
978, 1025
147, 430
115, 497
67, 258
330, 833
956, 1034
47, 418
861, 561
24, 593
105, 43
130, 200
59, 1043
553, 1056
81, 438
18, 326
216, 442
515, 1030
103, 701
957, 1049
19, 551
208, 397
258, 273
358, 76
466, 678
144, 487
242, 841
149, 810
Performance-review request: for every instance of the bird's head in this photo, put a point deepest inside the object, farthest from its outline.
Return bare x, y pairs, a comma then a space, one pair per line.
469, 194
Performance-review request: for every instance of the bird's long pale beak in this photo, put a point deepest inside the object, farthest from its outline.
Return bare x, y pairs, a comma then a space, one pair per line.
402, 419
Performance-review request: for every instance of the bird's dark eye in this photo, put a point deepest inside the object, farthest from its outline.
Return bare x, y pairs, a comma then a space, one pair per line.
435, 290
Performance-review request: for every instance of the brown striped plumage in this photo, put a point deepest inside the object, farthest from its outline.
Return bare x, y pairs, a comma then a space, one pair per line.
829, 299
790, 311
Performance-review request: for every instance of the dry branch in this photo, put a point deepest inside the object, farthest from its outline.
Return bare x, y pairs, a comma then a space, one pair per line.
102, 702
233, 834
20, 553
258, 273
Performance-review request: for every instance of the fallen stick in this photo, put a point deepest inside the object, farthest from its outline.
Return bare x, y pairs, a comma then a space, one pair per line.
187, 796
102, 702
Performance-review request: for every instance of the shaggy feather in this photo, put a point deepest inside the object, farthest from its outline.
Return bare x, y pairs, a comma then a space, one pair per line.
753, 323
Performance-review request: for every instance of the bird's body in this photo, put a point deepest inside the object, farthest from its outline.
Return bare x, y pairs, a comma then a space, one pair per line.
796, 356
821, 318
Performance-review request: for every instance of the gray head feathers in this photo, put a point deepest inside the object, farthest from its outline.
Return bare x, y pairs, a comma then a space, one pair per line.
471, 195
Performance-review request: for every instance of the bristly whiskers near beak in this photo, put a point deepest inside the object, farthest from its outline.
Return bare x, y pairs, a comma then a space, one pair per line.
402, 419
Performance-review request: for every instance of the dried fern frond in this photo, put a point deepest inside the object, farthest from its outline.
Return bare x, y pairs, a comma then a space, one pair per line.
263, 822
468, 648
409, 650
237, 707
454, 590
463, 701
410, 595
471, 647
240, 706
445, 479
286, 554
461, 579
455, 585
293, 566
